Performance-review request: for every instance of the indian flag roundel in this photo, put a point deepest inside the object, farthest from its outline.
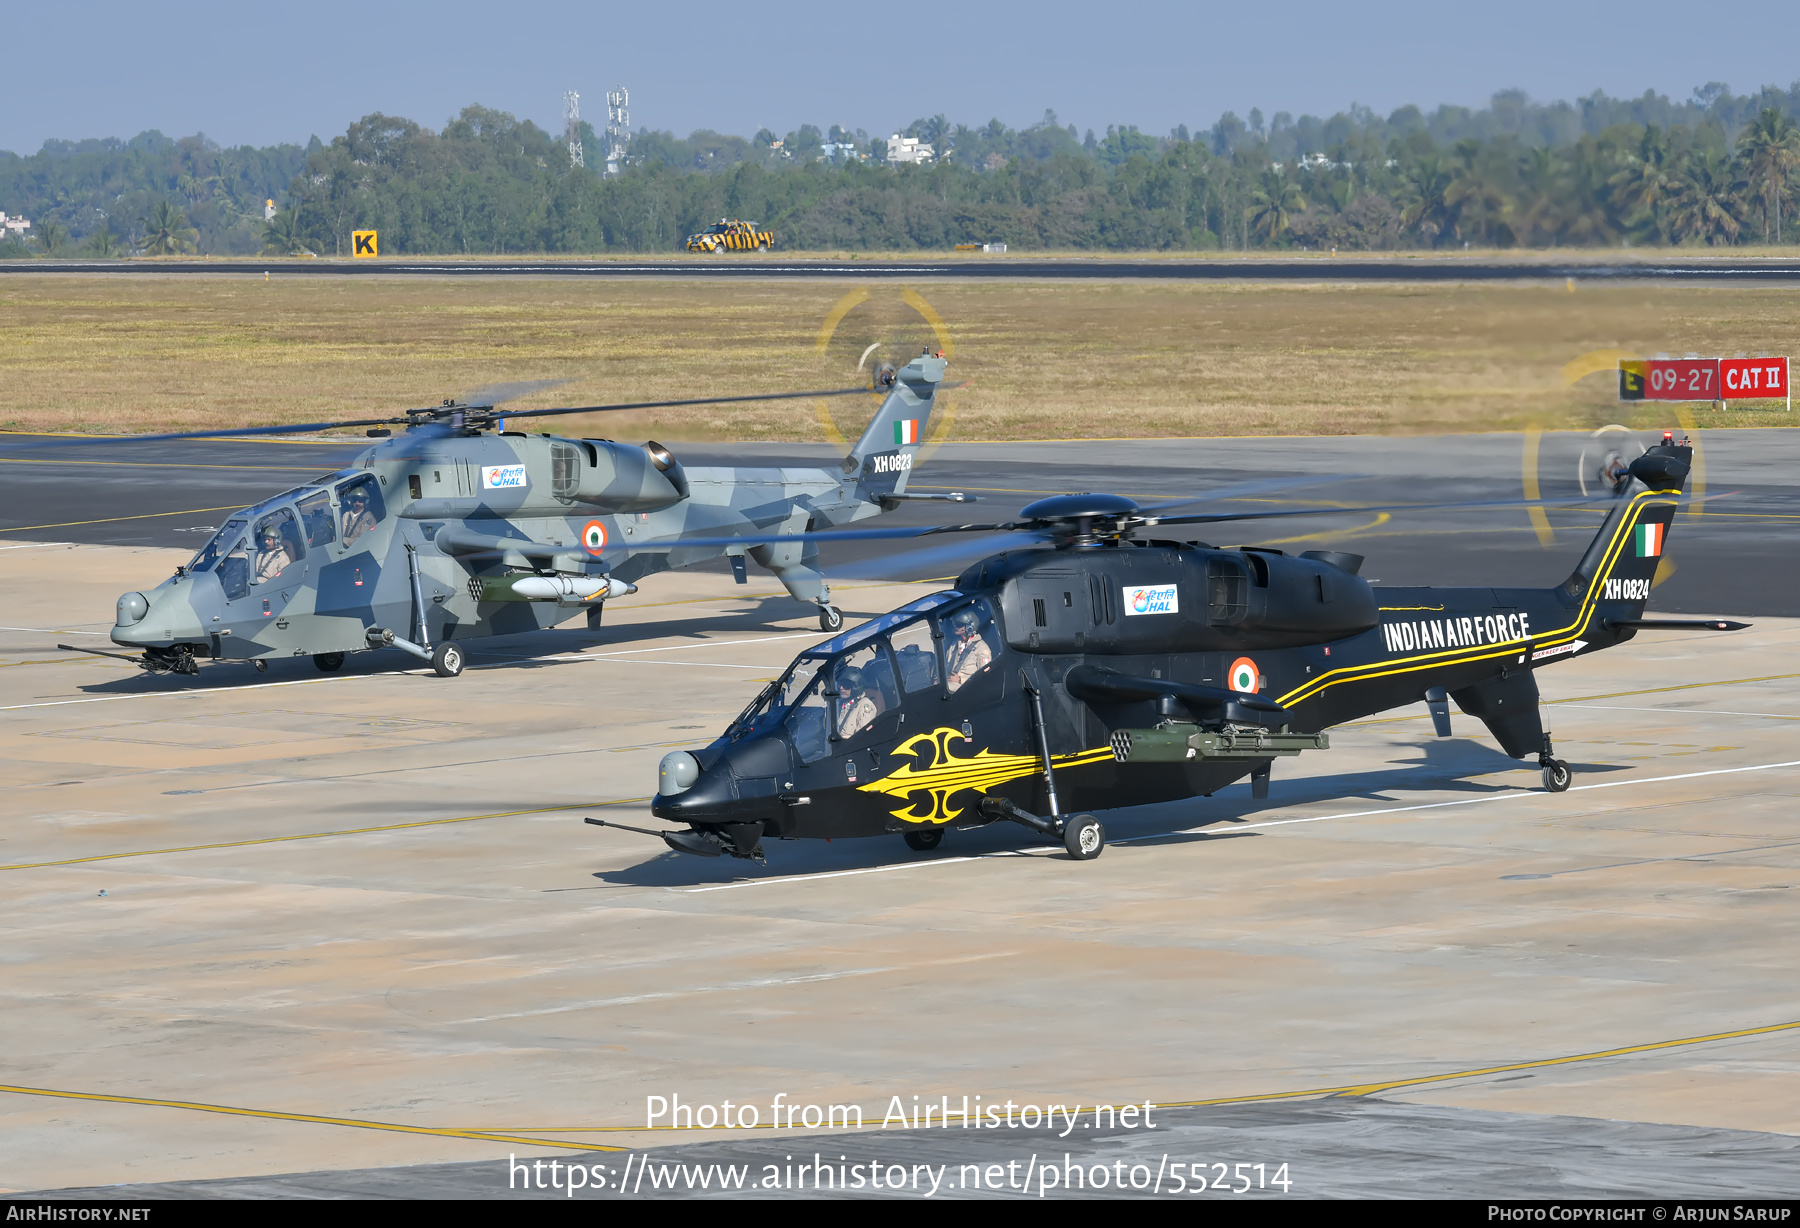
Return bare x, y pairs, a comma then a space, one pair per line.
1649, 540
906, 431
1243, 676
593, 536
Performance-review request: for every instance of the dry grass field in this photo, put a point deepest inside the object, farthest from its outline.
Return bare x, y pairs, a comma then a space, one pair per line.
1044, 359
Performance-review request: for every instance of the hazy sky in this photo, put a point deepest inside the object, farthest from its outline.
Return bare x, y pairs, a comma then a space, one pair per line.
264, 73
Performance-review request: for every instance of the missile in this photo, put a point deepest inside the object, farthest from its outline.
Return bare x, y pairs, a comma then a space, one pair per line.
570, 588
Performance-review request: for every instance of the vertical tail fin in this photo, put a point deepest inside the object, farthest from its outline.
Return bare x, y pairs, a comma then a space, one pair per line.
883, 457
1621, 561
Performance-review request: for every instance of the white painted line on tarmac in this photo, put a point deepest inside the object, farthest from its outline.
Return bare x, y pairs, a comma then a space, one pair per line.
218, 690
1471, 801
257, 686
1774, 716
33, 545
52, 630
625, 652
1213, 829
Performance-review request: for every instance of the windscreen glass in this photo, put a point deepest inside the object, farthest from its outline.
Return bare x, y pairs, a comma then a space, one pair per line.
214, 550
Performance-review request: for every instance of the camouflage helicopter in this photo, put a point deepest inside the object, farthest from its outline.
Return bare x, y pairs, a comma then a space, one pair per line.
1092, 668
458, 528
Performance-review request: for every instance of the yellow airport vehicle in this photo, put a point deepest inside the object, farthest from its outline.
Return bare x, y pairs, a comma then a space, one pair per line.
731, 236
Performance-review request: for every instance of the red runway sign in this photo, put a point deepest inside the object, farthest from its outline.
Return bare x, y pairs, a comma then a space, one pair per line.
1746, 378
1703, 379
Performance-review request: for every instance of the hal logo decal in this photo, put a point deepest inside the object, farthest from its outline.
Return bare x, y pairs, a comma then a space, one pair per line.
503, 477
1152, 599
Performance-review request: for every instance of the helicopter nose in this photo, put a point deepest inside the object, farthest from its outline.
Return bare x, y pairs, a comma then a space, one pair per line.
161, 618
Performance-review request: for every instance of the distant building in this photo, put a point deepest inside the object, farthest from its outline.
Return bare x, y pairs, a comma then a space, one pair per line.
904, 149
13, 227
268, 210
841, 152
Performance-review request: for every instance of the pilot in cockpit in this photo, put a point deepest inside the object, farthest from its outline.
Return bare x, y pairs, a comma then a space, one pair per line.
856, 708
358, 519
272, 555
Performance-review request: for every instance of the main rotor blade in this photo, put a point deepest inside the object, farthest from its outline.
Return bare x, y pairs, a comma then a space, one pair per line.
764, 396
822, 537
1223, 517
950, 557
1244, 490
435, 414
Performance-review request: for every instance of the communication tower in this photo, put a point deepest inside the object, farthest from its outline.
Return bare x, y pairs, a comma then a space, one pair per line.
572, 126
618, 128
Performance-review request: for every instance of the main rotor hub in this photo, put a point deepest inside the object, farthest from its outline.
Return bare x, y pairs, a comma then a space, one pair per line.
1085, 519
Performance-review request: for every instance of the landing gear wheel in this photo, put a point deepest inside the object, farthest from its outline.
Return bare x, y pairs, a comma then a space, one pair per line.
262, 667
328, 662
447, 660
830, 618
1084, 837
1556, 775
924, 841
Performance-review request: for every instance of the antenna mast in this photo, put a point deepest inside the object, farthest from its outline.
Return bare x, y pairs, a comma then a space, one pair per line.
618, 129
572, 126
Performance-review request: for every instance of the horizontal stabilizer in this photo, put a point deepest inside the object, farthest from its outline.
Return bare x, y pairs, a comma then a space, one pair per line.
1674, 624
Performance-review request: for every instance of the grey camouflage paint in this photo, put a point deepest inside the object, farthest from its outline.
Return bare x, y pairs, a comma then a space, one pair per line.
478, 509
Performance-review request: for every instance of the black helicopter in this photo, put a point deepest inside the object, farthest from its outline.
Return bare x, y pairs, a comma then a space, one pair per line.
1095, 669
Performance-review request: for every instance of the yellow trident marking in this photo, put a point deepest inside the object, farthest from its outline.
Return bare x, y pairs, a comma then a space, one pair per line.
945, 775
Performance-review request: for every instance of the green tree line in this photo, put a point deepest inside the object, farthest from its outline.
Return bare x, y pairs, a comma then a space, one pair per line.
1718, 169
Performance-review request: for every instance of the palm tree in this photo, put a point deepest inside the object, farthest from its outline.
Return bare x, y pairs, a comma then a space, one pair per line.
283, 234
103, 242
1771, 145
50, 236
1705, 204
1474, 189
1647, 182
166, 232
1426, 209
1273, 202
1535, 216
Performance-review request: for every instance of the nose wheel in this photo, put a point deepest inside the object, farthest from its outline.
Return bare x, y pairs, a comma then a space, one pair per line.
447, 660
924, 841
830, 618
1083, 837
1556, 772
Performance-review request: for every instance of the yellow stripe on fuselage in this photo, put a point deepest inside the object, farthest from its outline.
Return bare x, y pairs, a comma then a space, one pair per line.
1487, 652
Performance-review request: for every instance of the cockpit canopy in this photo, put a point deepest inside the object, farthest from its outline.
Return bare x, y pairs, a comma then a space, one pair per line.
852, 687
341, 509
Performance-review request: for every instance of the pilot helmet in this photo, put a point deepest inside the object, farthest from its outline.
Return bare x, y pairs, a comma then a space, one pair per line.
850, 680
965, 621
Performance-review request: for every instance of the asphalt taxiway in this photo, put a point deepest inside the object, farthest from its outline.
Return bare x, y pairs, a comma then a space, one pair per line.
1314, 267
1725, 552
352, 926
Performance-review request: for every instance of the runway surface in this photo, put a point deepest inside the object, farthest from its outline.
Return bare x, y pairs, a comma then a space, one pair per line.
1326, 1149
1722, 553
1313, 268
352, 927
